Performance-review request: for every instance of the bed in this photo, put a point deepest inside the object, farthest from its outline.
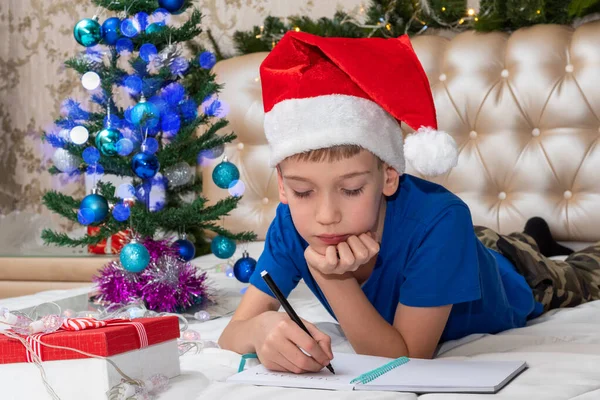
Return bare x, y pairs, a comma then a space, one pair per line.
524, 109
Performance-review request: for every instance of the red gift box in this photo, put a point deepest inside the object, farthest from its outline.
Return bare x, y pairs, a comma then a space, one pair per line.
106, 341
112, 246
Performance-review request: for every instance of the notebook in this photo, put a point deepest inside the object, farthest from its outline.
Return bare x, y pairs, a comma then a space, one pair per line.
360, 372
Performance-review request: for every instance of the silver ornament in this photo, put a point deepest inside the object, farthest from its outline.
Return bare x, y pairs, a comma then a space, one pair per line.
178, 174
65, 161
164, 58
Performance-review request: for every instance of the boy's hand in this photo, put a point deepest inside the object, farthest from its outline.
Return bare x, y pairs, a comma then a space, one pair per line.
354, 252
280, 339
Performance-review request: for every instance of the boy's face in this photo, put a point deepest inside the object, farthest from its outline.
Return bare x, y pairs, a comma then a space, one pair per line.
332, 200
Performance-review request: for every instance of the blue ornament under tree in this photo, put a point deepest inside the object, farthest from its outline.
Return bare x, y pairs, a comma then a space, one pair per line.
222, 247
186, 249
145, 165
244, 268
88, 32
172, 6
225, 173
134, 257
97, 204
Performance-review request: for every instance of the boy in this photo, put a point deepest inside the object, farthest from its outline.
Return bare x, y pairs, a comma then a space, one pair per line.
395, 259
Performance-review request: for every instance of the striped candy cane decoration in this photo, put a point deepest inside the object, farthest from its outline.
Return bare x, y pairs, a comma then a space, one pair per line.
79, 324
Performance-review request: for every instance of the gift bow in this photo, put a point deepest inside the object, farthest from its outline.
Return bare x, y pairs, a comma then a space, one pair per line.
79, 324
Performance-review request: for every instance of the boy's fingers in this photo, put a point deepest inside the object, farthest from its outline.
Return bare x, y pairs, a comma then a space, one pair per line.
331, 259
359, 249
346, 257
370, 243
324, 344
300, 360
283, 360
325, 263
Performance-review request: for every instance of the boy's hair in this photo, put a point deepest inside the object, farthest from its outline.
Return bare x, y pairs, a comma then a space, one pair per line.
334, 153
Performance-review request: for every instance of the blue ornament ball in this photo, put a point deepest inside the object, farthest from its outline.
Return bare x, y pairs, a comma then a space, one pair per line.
106, 141
155, 27
124, 147
244, 268
121, 212
87, 32
145, 165
124, 45
225, 174
186, 249
150, 146
172, 6
85, 216
222, 247
207, 60
91, 155
130, 27
134, 257
147, 50
145, 114
97, 204
111, 31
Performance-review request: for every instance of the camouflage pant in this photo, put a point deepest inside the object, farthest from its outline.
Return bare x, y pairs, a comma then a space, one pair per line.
555, 283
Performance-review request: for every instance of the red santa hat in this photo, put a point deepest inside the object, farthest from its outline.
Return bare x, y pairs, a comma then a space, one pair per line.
321, 92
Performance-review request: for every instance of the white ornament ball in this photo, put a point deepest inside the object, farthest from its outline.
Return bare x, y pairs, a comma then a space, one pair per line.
178, 174
79, 134
65, 161
90, 80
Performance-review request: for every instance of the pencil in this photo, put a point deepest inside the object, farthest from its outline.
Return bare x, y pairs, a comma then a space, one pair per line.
287, 306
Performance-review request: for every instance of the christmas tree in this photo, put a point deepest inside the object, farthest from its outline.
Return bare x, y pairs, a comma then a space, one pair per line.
392, 18
154, 116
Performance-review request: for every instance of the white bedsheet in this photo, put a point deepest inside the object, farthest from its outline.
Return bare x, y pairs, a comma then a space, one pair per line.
562, 349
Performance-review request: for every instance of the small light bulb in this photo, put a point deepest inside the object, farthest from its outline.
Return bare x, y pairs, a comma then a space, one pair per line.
470, 12
539, 11
297, 29
443, 8
461, 21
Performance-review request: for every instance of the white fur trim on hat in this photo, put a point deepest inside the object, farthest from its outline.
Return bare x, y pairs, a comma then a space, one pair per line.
298, 125
431, 152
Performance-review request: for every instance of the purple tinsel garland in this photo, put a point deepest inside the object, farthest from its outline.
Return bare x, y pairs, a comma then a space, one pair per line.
157, 248
168, 284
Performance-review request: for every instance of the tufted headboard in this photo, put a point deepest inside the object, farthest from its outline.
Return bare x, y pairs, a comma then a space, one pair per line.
524, 109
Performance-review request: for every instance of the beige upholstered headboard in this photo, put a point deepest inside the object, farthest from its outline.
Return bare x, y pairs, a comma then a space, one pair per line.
524, 109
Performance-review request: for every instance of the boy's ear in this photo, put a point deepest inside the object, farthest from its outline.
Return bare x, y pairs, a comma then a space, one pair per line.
282, 196
391, 180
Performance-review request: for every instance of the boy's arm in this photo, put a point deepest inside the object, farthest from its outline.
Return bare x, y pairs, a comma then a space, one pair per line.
415, 333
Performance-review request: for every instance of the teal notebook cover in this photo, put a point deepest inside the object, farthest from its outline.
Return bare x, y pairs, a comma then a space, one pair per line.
360, 372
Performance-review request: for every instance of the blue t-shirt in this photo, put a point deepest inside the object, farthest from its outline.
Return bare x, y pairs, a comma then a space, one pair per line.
429, 256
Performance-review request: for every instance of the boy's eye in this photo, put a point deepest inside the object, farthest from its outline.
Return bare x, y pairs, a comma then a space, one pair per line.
354, 192
302, 195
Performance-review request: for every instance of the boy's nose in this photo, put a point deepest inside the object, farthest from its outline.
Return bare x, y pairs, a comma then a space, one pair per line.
327, 212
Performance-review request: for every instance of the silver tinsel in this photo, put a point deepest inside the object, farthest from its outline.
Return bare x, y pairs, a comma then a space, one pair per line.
65, 161
178, 174
164, 59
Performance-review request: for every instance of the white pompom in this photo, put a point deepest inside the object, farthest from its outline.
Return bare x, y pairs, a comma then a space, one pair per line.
431, 152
